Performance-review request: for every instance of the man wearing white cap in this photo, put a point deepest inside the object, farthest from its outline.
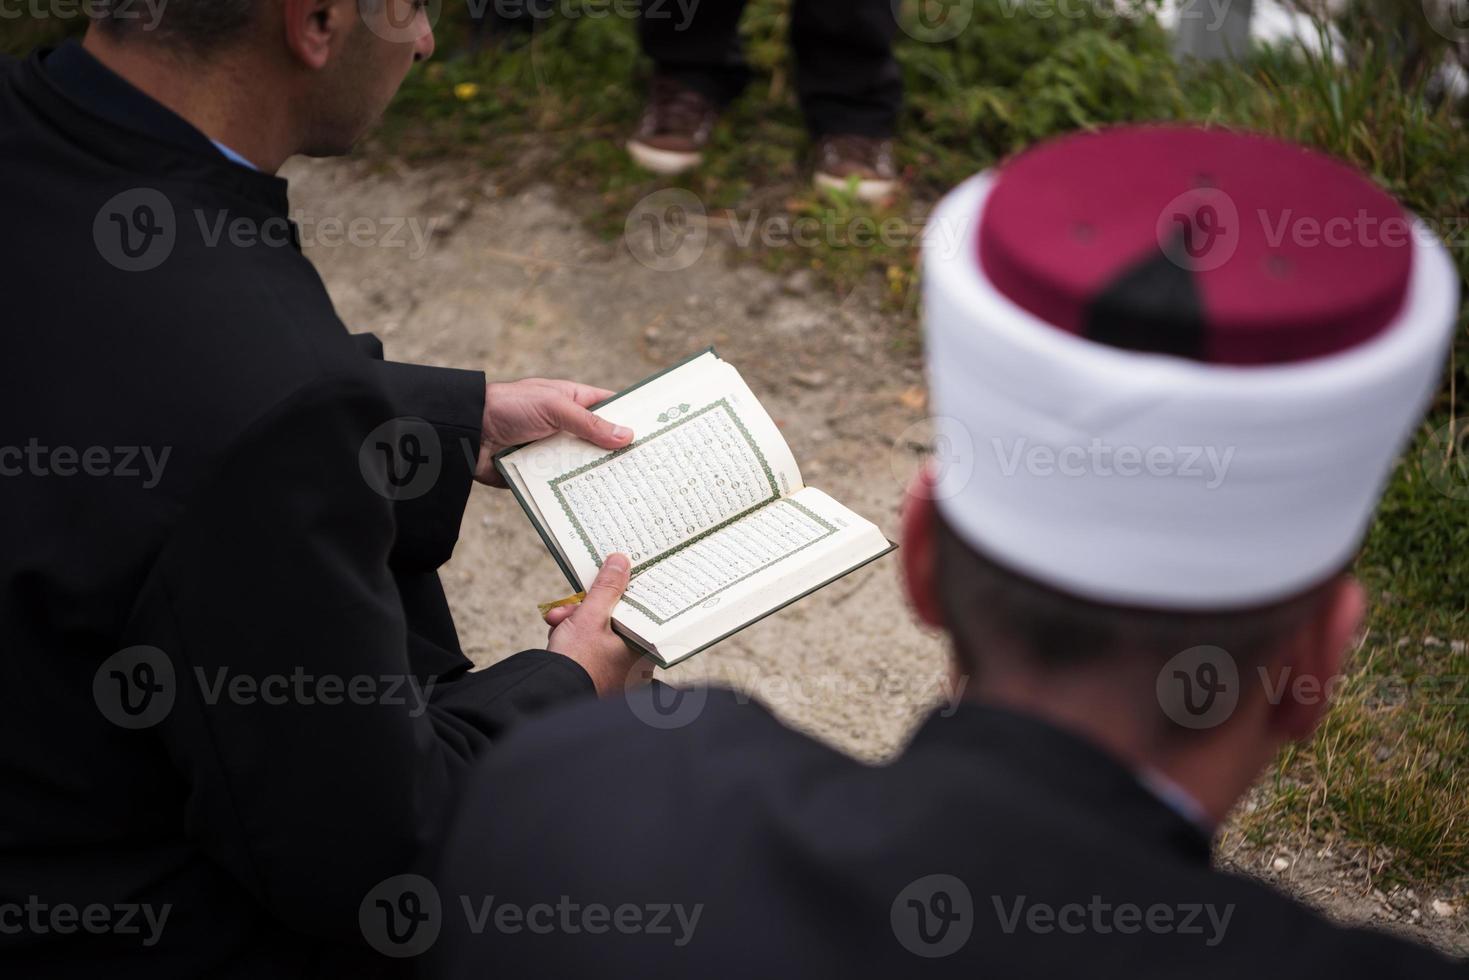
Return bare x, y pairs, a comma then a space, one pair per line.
1172, 370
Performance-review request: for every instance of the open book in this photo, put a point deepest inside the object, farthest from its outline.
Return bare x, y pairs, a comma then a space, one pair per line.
707, 501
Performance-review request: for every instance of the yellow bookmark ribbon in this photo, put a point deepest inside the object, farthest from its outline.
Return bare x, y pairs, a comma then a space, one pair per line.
570, 600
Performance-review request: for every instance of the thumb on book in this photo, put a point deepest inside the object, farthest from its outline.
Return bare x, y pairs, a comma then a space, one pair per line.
582, 423
606, 589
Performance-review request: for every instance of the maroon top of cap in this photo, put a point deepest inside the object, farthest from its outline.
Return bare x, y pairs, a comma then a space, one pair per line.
1221, 246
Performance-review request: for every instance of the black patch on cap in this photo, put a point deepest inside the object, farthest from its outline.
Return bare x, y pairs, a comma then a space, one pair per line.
1153, 306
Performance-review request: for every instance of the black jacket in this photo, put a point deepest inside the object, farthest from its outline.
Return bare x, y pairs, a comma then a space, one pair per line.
232, 700
704, 839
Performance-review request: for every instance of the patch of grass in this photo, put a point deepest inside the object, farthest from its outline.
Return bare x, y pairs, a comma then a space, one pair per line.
1385, 773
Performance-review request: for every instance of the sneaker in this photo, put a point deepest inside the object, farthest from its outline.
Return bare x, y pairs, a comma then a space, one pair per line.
867, 158
674, 129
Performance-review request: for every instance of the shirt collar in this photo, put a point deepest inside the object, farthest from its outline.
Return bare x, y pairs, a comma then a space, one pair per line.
232, 156
1177, 799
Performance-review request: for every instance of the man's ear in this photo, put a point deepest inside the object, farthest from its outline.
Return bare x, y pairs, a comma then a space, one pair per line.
1309, 668
315, 27
919, 553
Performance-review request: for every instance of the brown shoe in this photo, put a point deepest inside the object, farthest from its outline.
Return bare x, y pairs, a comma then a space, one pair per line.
840, 159
674, 129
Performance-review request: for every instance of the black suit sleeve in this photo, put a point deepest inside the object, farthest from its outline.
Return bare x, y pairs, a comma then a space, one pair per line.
315, 768
452, 402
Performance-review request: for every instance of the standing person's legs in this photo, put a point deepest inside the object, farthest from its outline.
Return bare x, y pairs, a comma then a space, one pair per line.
851, 90
697, 70
846, 76
697, 44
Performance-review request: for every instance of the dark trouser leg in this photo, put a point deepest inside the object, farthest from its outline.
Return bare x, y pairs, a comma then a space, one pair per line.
697, 42
846, 76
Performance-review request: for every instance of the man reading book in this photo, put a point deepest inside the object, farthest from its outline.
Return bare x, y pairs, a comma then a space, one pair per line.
1139, 631
232, 699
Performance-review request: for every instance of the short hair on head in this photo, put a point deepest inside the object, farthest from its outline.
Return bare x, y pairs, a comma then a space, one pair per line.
988, 607
199, 25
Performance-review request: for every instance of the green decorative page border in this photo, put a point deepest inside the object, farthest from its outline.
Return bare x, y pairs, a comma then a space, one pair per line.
581, 533
830, 530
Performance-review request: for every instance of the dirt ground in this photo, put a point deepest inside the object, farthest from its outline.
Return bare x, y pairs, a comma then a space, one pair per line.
514, 285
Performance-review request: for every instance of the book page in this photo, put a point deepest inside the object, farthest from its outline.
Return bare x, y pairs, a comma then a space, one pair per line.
705, 454
722, 582
701, 571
